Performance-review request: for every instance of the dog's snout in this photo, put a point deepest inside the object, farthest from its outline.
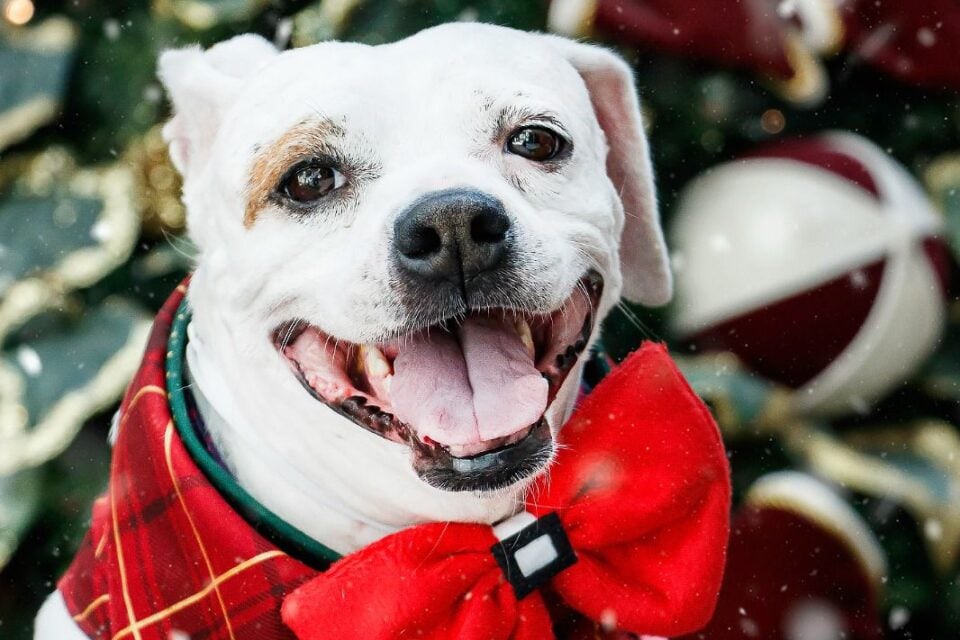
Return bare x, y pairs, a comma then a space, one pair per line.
452, 235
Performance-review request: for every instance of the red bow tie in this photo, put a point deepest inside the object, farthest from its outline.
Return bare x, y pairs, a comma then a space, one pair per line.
628, 529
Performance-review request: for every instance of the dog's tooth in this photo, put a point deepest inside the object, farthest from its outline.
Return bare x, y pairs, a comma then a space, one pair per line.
375, 362
526, 336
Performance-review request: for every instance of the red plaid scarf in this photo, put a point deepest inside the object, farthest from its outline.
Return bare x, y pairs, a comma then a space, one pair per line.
155, 562
178, 550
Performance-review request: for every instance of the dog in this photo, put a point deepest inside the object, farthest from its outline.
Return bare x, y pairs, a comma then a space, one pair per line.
405, 253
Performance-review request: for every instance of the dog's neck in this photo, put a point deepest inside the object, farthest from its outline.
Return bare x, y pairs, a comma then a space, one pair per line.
336, 482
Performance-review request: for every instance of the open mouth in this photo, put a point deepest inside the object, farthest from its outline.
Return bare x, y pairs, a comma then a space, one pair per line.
468, 394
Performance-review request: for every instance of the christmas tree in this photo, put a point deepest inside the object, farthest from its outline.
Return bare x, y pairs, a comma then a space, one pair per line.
737, 99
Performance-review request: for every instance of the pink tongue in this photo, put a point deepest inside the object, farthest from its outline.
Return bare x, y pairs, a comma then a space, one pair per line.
478, 385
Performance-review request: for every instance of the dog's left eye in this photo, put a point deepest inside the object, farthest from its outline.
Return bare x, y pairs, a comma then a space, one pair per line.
311, 182
535, 143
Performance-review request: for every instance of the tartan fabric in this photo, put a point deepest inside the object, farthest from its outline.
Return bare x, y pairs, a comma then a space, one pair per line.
170, 554
156, 562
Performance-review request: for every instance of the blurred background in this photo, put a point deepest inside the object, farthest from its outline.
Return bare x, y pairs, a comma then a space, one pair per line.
808, 164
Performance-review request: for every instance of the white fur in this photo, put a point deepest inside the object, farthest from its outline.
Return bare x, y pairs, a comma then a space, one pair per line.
420, 109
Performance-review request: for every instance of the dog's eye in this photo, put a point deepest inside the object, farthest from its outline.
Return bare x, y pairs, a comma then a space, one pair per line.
535, 143
311, 182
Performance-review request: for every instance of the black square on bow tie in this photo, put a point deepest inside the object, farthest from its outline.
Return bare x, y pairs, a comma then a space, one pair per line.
533, 555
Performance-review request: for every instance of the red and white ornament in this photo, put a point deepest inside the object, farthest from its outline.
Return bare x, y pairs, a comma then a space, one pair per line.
816, 261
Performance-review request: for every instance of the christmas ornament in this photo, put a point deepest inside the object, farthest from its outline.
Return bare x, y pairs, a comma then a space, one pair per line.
743, 402
777, 42
322, 21
942, 179
915, 465
61, 229
206, 14
89, 227
158, 184
914, 42
629, 530
19, 504
817, 262
801, 564
35, 62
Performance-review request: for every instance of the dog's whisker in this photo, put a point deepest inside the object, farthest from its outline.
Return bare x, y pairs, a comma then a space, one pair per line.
638, 323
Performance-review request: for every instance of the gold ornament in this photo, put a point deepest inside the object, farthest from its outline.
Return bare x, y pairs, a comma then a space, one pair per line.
157, 184
205, 14
324, 20
54, 36
53, 173
864, 461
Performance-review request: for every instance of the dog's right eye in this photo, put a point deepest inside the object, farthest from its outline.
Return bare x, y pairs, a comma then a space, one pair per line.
311, 181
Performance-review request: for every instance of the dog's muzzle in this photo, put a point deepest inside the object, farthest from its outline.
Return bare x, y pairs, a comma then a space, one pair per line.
468, 385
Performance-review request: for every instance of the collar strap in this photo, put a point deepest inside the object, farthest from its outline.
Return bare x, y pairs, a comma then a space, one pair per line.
185, 419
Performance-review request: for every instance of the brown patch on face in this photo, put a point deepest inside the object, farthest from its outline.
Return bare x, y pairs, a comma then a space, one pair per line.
305, 140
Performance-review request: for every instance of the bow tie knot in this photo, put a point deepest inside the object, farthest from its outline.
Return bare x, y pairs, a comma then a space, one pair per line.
530, 550
634, 536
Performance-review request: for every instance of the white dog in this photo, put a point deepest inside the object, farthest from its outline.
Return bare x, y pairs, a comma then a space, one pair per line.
404, 253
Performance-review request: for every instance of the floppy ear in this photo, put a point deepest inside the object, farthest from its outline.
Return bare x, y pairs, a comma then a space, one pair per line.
643, 252
201, 85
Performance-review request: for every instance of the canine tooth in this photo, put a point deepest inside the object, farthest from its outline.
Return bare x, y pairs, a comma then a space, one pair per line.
526, 337
374, 362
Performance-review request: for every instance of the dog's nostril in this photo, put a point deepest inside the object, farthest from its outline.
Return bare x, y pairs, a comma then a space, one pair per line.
420, 242
489, 227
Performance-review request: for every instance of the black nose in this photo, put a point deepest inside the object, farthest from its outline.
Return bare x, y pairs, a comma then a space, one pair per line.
452, 235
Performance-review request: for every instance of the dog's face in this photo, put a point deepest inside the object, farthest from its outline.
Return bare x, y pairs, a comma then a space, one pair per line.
428, 232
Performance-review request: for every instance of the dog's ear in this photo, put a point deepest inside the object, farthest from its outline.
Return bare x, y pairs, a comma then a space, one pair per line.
201, 85
613, 94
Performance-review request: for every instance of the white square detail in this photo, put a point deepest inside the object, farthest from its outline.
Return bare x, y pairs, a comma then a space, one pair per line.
535, 555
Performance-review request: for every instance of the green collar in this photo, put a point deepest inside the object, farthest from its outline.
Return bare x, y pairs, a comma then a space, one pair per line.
287, 537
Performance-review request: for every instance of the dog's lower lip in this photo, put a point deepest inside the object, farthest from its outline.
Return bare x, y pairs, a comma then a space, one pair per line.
491, 470
366, 399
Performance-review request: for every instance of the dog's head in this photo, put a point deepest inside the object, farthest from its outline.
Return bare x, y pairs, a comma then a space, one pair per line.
428, 232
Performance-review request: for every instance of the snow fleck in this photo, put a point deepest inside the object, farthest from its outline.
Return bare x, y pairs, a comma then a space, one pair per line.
787, 9
720, 243
176, 634
859, 405
101, 231
749, 628
677, 261
926, 37
608, 620
933, 529
470, 14
814, 620
859, 279
29, 360
111, 29
281, 37
899, 616
152, 93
